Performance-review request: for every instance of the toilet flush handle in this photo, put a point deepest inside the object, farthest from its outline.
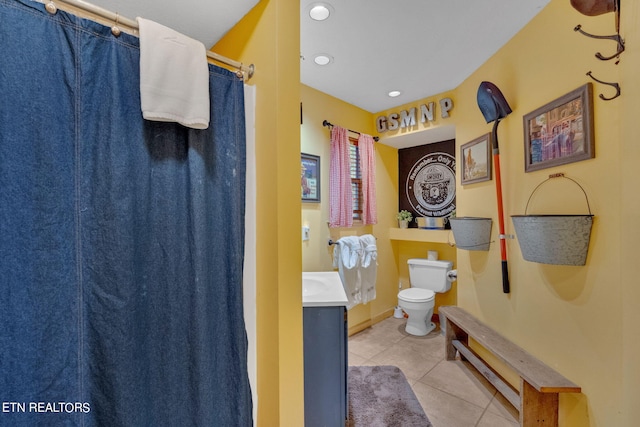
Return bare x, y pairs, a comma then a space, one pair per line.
452, 275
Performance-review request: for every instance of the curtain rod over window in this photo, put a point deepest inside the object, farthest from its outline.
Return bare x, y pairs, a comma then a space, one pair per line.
325, 123
120, 20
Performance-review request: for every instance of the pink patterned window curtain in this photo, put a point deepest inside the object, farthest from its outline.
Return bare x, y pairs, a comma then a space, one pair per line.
340, 201
368, 170
341, 197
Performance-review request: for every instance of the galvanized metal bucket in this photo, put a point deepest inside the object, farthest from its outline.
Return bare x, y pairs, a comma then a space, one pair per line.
554, 239
471, 233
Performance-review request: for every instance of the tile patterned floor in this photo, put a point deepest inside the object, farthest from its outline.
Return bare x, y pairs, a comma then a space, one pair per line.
452, 395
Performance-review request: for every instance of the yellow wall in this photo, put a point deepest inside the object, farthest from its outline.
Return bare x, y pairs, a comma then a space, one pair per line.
579, 320
315, 139
316, 254
269, 38
627, 223
392, 255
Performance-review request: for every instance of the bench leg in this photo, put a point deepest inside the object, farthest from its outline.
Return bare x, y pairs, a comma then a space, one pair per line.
453, 332
537, 409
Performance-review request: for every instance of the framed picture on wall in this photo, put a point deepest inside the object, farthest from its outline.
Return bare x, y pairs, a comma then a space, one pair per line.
310, 177
560, 132
476, 159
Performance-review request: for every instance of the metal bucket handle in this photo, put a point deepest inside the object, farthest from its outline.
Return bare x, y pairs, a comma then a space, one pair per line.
558, 175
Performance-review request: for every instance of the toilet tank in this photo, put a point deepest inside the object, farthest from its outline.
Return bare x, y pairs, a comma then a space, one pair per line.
427, 274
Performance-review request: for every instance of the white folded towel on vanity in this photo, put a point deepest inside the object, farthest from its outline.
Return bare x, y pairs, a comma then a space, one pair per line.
174, 76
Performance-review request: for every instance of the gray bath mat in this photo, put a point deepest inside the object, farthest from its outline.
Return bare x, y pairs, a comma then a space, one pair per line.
380, 396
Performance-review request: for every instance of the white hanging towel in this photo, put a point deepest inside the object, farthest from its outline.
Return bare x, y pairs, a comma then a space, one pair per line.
368, 267
347, 254
174, 76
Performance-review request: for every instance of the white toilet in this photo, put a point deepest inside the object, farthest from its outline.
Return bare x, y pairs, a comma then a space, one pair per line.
427, 277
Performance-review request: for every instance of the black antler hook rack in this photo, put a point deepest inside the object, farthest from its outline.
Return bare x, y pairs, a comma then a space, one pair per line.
597, 8
615, 85
611, 6
615, 37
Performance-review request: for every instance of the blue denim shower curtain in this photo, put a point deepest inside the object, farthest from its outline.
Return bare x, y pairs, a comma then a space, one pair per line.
121, 240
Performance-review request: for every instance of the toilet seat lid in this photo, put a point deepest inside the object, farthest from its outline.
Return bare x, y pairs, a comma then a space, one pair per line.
416, 295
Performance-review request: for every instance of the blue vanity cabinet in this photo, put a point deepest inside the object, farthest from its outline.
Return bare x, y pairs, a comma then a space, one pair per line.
325, 366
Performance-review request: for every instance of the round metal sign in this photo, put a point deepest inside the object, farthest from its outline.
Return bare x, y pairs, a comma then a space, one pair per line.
431, 185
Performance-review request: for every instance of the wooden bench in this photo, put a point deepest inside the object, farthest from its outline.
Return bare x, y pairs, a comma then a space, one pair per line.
537, 399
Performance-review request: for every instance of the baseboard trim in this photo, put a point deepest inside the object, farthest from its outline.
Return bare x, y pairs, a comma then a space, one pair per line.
384, 315
369, 322
359, 327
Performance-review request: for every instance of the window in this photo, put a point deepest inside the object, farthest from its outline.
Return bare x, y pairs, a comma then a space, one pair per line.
356, 179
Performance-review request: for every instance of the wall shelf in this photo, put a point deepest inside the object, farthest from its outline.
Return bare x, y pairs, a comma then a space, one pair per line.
421, 235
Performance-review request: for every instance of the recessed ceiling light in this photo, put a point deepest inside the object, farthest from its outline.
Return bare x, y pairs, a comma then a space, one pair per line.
323, 59
394, 93
320, 11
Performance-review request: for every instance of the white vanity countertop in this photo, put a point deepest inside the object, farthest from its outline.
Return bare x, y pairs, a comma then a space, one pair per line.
322, 289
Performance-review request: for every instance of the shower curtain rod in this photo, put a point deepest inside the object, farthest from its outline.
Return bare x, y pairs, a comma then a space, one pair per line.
117, 19
325, 123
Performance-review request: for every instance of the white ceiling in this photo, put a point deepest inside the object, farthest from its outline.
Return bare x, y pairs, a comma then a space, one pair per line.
419, 47
203, 20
